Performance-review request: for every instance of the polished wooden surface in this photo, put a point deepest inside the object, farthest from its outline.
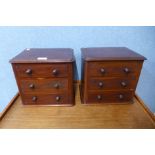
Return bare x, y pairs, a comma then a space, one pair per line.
110, 53
44, 55
78, 116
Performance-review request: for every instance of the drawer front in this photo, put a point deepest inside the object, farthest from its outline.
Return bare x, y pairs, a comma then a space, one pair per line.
114, 68
110, 96
44, 85
112, 83
42, 70
48, 99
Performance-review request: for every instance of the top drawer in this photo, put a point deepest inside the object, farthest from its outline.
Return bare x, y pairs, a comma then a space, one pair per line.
114, 68
41, 70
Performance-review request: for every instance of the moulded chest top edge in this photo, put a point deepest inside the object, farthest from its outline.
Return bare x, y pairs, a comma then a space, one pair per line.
110, 53
45, 55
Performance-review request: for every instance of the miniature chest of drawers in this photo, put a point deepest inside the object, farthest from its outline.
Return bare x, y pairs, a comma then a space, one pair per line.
45, 76
109, 74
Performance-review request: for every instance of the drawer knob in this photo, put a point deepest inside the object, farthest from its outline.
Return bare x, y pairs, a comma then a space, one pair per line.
31, 86
123, 84
56, 85
121, 96
28, 71
55, 72
34, 98
99, 97
126, 70
100, 84
102, 70
57, 98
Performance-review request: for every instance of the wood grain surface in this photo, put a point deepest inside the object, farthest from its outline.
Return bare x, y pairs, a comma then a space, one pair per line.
78, 116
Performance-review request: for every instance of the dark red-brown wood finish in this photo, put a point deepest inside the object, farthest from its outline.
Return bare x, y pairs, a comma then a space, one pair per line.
45, 76
109, 74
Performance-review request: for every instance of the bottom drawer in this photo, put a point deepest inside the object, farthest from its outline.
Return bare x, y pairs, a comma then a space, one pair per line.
110, 96
49, 99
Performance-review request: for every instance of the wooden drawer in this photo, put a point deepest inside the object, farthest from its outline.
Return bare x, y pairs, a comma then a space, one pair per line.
47, 99
114, 68
41, 70
44, 85
109, 96
112, 83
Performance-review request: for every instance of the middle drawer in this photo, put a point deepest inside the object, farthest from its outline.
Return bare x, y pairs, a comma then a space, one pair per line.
111, 83
44, 85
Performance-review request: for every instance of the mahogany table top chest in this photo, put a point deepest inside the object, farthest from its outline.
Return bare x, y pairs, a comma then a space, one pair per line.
109, 74
45, 76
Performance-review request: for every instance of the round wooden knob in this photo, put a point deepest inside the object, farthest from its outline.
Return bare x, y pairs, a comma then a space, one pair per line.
28, 71
121, 96
99, 97
123, 84
102, 70
100, 84
34, 98
126, 70
57, 98
55, 72
56, 85
31, 86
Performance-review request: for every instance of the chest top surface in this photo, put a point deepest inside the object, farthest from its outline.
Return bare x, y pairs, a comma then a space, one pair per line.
44, 55
110, 53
